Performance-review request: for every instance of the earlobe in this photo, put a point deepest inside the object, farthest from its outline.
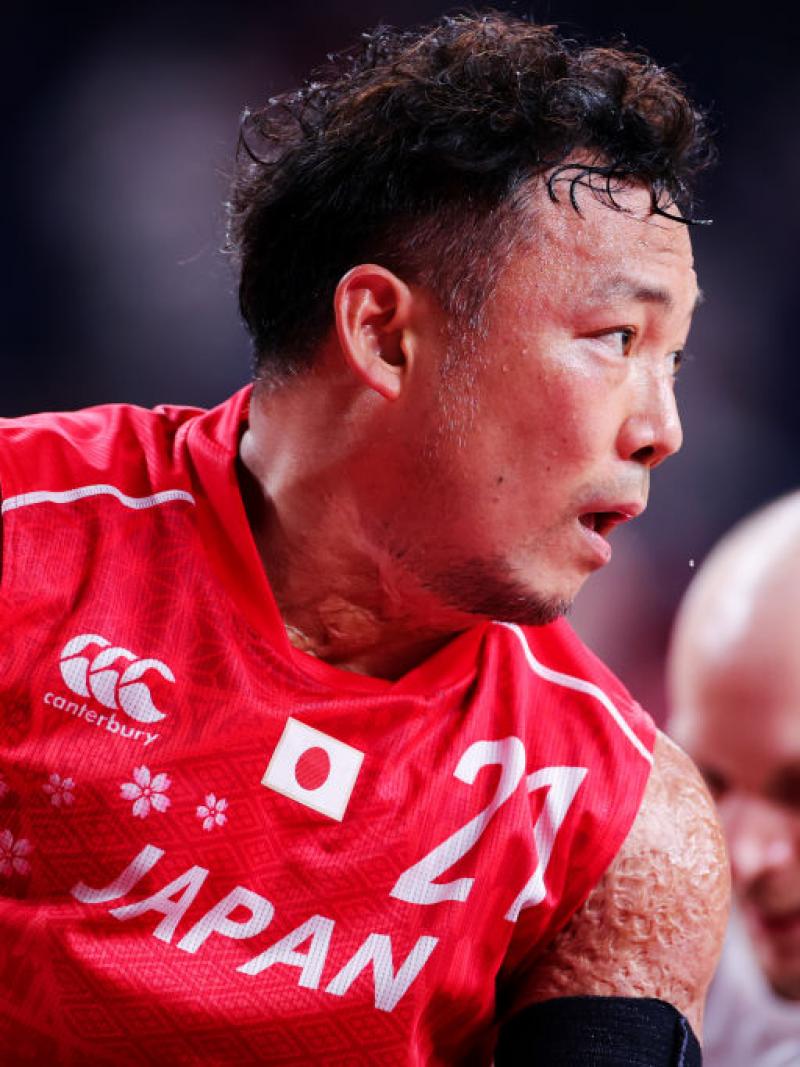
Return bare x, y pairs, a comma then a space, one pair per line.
372, 311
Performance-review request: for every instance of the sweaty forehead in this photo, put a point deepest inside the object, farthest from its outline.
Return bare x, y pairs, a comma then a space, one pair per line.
734, 668
740, 618
572, 260
736, 705
599, 229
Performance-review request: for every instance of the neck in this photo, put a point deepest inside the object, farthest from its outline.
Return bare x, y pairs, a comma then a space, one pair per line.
342, 598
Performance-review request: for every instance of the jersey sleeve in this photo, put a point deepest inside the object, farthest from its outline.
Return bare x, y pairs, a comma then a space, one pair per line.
57, 458
596, 744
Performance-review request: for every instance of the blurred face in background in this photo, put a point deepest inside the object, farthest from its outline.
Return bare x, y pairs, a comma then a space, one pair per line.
736, 710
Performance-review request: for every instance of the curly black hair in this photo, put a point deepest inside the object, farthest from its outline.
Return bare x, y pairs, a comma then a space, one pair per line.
413, 150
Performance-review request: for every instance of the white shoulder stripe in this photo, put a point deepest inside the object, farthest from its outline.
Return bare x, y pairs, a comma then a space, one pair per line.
581, 686
42, 496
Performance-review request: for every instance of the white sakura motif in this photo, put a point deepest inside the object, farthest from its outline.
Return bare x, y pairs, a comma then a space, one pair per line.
3, 786
13, 853
146, 793
212, 812
61, 790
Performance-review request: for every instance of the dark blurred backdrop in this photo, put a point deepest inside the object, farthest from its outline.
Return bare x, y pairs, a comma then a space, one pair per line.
119, 124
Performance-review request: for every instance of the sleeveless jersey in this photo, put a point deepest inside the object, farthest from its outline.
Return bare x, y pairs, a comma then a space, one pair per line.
218, 850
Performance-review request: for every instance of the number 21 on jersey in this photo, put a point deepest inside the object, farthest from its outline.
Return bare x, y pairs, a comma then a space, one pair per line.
418, 884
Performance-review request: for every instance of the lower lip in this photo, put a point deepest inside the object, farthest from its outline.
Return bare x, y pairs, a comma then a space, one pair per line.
601, 549
779, 926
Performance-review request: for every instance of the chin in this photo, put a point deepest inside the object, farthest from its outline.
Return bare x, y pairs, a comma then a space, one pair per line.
534, 611
490, 589
780, 964
526, 609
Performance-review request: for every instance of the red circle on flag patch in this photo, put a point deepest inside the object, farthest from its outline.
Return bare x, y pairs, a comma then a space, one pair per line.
312, 768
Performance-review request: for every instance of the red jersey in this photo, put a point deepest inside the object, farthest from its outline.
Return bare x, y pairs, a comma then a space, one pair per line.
215, 849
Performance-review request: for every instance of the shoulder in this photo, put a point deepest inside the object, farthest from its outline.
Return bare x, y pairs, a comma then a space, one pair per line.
555, 658
57, 451
64, 456
90, 428
572, 715
573, 710
654, 924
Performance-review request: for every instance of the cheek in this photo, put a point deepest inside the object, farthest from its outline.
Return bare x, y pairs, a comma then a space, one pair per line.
522, 431
762, 837
573, 421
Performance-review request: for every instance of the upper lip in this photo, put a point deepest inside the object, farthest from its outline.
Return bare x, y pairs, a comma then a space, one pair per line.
608, 514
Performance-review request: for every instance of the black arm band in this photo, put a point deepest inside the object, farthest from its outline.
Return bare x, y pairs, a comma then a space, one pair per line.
598, 1032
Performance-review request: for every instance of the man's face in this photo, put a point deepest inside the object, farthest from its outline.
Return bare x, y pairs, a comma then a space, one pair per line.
737, 713
544, 438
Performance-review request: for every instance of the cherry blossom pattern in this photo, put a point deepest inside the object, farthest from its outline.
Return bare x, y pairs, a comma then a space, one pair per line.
146, 792
13, 854
4, 787
212, 812
61, 790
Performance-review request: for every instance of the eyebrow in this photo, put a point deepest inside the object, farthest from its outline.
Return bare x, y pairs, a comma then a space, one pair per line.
632, 289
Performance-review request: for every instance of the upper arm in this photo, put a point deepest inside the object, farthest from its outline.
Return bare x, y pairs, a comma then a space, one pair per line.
654, 924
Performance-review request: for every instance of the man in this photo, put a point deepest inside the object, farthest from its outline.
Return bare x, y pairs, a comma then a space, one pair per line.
278, 787
735, 682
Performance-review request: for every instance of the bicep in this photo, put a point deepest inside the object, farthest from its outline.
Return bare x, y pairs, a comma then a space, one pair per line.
653, 926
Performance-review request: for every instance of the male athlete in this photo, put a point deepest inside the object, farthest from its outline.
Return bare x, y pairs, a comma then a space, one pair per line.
300, 763
735, 679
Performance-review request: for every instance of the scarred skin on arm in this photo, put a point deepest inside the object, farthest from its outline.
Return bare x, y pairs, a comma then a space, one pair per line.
654, 924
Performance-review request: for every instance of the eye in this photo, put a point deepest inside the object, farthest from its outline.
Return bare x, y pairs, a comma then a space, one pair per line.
622, 338
677, 361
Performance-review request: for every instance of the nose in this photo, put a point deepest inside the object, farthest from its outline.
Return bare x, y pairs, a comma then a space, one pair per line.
652, 431
762, 837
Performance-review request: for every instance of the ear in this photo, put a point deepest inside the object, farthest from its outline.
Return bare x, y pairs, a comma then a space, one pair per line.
372, 309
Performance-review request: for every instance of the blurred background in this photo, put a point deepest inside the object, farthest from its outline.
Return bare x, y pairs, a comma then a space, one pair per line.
119, 124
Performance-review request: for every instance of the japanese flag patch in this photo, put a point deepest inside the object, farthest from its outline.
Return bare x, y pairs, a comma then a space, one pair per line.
314, 769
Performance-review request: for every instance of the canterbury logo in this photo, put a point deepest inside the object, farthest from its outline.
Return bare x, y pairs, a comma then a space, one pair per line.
101, 676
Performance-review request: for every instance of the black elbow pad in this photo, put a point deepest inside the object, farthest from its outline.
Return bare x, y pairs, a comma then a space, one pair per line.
598, 1032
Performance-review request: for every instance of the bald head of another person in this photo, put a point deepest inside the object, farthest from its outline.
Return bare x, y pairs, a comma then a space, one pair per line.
734, 679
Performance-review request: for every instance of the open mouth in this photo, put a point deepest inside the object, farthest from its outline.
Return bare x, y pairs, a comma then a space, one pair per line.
780, 922
602, 522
